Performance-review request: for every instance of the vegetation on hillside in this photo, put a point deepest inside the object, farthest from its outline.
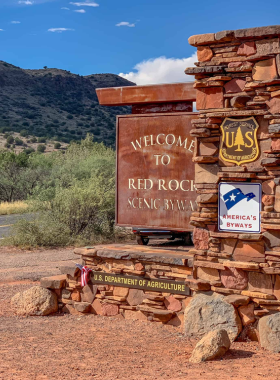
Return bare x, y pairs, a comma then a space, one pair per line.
72, 194
56, 104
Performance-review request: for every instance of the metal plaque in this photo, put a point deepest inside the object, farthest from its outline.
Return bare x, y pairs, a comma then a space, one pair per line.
153, 284
155, 172
239, 143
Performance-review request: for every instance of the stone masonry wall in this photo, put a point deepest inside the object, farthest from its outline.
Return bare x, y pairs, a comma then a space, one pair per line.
238, 76
123, 302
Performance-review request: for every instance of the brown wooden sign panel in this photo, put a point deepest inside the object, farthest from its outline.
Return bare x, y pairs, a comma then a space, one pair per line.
156, 93
155, 172
155, 285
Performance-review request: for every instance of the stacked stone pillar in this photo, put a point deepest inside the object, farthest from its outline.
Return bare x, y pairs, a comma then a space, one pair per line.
238, 76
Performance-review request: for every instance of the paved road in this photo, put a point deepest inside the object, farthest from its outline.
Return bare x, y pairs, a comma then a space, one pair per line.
6, 222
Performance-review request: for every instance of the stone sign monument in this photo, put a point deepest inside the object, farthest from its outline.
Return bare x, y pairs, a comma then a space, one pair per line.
234, 178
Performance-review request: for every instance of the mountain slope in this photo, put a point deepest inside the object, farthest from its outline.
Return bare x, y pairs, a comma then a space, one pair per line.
57, 104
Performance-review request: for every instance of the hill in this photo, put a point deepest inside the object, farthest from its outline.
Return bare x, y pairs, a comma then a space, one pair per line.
57, 104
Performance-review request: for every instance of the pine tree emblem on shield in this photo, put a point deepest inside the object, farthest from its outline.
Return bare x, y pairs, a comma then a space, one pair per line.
239, 141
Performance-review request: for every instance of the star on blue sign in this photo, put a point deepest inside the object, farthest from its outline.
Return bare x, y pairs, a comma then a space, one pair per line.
233, 197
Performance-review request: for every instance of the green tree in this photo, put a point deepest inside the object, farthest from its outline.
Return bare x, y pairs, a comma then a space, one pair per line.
57, 145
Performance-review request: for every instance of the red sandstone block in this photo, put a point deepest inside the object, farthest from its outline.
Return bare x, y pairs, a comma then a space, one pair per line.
248, 48
208, 98
204, 53
274, 105
246, 251
202, 39
235, 85
54, 282
172, 304
265, 70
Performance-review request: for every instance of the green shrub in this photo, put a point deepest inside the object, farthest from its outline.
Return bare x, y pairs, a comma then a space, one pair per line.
41, 148
18, 141
29, 150
42, 139
42, 231
57, 145
33, 140
23, 133
74, 197
10, 140
83, 213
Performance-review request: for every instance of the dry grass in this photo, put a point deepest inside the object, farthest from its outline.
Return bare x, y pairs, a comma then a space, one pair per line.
18, 207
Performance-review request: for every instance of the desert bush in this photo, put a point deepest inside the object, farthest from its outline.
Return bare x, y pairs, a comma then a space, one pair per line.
18, 141
76, 200
72, 193
83, 213
24, 133
29, 150
57, 145
41, 148
37, 232
10, 140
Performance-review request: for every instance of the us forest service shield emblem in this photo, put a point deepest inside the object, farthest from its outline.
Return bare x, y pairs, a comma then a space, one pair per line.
239, 141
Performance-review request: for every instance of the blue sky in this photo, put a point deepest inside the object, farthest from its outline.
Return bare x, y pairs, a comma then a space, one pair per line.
155, 41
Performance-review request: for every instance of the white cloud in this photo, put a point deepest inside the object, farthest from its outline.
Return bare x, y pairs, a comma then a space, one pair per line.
26, 2
1, 30
125, 23
60, 30
86, 4
80, 11
65, 8
15, 22
161, 70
